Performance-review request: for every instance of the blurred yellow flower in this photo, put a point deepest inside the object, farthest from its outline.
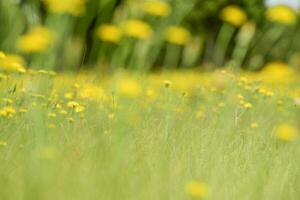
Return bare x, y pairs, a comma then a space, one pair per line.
137, 29
128, 86
38, 39
79, 109
92, 92
277, 71
282, 14
109, 33
254, 125
177, 35
286, 132
72, 104
73, 7
197, 189
157, 8
234, 15
12, 63
7, 111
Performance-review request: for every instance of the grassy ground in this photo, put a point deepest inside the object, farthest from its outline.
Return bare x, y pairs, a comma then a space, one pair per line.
147, 137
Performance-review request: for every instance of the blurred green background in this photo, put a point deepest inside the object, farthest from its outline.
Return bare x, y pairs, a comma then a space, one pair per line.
213, 43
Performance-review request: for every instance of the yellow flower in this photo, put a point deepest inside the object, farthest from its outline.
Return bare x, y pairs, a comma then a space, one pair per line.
247, 105
129, 86
69, 95
167, 83
111, 116
137, 29
73, 7
79, 109
92, 92
254, 125
63, 112
38, 39
157, 8
12, 63
281, 14
197, 189
277, 71
234, 15
7, 111
72, 104
177, 35
109, 33
286, 132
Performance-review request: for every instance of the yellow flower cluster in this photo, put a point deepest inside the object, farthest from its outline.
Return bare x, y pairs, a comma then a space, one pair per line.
73, 7
38, 39
234, 15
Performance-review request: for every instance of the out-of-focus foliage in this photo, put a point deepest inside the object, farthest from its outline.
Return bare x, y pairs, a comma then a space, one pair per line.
148, 34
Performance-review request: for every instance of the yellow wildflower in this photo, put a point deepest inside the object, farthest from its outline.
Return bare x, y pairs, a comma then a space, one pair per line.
277, 71
72, 104
129, 86
150, 93
73, 7
79, 109
286, 132
254, 125
92, 92
197, 189
69, 95
157, 8
234, 15
38, 39
63, 112
281, 14
167, 83
111, 116
177, 35
247, 105
7, 111
12, 63
137, 29
109, 33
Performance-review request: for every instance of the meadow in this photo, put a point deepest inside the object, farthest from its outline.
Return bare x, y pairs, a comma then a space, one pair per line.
110, 100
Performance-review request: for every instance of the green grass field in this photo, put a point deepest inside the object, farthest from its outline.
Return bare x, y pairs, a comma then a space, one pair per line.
148, 137
149, 100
